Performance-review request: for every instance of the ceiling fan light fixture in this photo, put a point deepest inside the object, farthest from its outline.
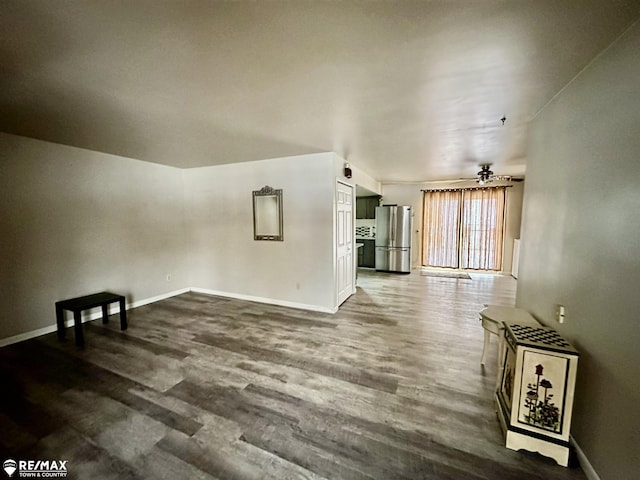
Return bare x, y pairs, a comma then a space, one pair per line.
485, 175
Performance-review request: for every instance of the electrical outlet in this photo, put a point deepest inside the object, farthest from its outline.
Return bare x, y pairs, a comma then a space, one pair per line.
560, 313
168, 277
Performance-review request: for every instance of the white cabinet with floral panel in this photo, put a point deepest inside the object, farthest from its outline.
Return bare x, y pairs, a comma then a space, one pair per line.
535, 393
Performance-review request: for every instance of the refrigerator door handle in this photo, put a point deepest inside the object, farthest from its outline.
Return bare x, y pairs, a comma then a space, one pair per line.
393, 223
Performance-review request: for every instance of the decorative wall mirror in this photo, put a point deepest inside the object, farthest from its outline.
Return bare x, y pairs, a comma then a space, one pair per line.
267, 214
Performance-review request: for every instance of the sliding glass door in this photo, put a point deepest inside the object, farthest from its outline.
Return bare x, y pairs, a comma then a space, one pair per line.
464, 228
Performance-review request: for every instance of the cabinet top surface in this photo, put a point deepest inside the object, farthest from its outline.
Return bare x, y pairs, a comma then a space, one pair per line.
539, 337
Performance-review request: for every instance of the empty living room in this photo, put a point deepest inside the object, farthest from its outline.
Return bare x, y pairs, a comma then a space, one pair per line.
319, 239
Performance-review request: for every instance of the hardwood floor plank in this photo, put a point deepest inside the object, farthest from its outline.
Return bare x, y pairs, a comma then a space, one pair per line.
410, 454
229, 403
230, 461
77, 373
152, 347
279, 319
381, 382
159, 464
154, 371
117, 429
225, 428
15, 437
84, 458
281, 442
169, 418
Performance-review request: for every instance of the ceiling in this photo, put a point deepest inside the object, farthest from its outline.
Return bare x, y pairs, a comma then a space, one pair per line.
407, 91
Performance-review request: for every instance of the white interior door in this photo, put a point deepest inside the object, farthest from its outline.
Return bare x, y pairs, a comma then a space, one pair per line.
344, 238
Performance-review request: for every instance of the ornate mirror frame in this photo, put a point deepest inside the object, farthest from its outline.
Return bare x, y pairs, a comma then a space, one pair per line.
267, 214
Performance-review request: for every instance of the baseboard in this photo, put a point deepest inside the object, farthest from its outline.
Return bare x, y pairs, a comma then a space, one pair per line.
585, 464
87, 317
157, 298
29, 335
270, 301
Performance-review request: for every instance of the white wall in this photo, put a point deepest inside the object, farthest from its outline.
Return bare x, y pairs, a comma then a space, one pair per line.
512, 222
360, 177
75, 222
225, 259
411, 194
581, 247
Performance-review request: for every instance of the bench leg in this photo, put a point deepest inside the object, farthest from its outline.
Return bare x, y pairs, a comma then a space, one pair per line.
487, 340
60, 322
105, 314
77, 325
502, 350
123, 314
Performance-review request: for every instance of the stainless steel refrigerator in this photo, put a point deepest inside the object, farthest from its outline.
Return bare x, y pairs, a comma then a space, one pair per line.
393, 238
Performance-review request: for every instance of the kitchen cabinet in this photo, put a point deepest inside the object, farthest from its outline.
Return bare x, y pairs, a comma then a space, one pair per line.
367, 254
366, 207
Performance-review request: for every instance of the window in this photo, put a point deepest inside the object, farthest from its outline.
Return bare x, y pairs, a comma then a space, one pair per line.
464, 228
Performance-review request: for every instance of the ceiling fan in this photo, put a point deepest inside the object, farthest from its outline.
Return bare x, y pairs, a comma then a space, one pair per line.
486, 175
483, 177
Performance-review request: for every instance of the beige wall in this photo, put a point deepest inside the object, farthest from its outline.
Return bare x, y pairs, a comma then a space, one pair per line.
359, 177
512, 222
225, 259
75, 222
411, 194
581, 247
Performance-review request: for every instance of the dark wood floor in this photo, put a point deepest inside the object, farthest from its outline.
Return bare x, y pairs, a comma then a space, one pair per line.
207, 387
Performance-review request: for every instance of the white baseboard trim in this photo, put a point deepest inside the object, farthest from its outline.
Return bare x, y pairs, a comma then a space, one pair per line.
29, 335
157, 298
585, 464
270, 301
86, 317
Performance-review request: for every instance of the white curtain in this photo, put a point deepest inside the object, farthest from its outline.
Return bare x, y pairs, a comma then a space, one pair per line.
464, 228
482, 229
441, 227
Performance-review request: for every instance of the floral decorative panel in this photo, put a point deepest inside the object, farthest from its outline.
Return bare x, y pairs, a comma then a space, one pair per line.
542, 391
508, 377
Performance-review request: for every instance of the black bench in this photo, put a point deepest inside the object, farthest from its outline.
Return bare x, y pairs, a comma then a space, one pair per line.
77, 305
